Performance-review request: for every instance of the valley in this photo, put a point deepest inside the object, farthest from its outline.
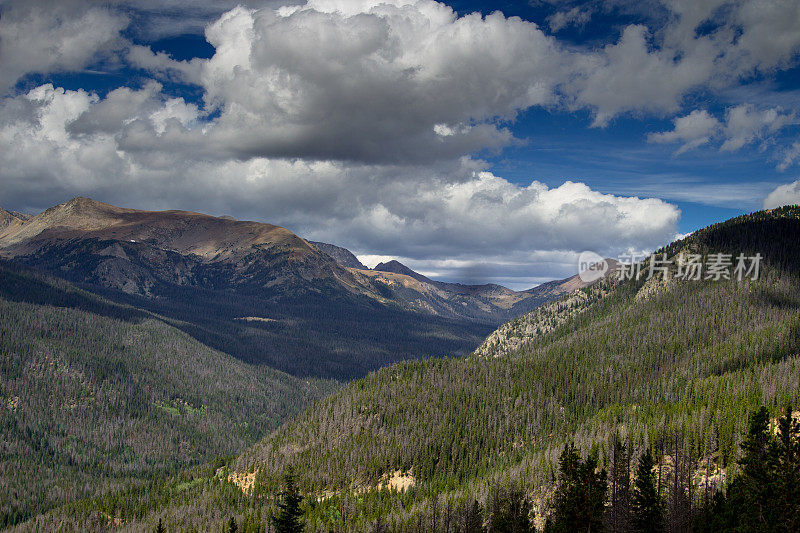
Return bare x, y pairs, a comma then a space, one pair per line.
678, 370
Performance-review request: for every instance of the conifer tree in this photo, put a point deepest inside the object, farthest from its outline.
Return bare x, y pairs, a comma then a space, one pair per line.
289, 512
509, 512
787, 463
646, 508
160, 527
580, 496
618, 515
473, 518
757, 483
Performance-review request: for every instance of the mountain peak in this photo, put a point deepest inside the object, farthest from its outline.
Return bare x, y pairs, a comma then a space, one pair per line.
343, 256
10, 220
396, 267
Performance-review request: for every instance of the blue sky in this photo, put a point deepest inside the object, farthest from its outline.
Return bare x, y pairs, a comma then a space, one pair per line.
471, 147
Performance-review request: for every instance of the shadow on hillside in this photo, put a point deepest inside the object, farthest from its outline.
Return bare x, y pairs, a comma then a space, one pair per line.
22, 284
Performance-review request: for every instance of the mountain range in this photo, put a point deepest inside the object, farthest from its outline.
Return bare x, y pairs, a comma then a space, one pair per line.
259, 291
143, 357
136, 344
673, 365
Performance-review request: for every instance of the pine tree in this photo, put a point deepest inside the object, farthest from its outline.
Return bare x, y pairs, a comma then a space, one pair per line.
757, 482
289, 512
509, 512
160, 527
646, 508
787, 462
618, 515
473, 518
579, 502
232, 526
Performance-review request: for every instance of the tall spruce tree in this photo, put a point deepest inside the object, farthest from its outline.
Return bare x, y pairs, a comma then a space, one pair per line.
787, 463
579, 502
618, 513
473, 518
647, 513
757, 480
289, 515
509, 512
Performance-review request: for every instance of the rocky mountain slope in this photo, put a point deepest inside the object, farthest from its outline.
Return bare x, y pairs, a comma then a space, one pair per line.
343, 256
258, 291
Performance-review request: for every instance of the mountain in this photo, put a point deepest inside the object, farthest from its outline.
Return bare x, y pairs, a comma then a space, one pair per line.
513, 334
343, 256
496, 300
139, 252
676, 365
397, 267
9, 220
96, 396
258, 291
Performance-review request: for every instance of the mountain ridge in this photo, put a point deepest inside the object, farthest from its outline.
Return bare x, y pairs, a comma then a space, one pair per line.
139, 252
256, 290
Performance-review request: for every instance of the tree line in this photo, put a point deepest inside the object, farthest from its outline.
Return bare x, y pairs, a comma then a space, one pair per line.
764, 496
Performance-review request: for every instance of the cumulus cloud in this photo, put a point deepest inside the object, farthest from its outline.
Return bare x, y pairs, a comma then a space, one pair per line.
632, 76
692, 130
54, 36
359, 122
768, 34
745, 124
700, 44
74, 141
373, 81
788, 194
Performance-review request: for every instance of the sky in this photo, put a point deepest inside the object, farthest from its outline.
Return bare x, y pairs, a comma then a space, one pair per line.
474, 142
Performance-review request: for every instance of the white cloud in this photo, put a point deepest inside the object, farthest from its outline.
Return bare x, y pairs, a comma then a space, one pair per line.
693, 130
653, 69
788, 194
73, 141
745, 124
632, 76
371, 81
768, 34
577, 16
789, 156
54, 36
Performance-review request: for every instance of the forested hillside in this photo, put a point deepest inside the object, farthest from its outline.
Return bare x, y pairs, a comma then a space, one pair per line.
95, 396
674, 366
